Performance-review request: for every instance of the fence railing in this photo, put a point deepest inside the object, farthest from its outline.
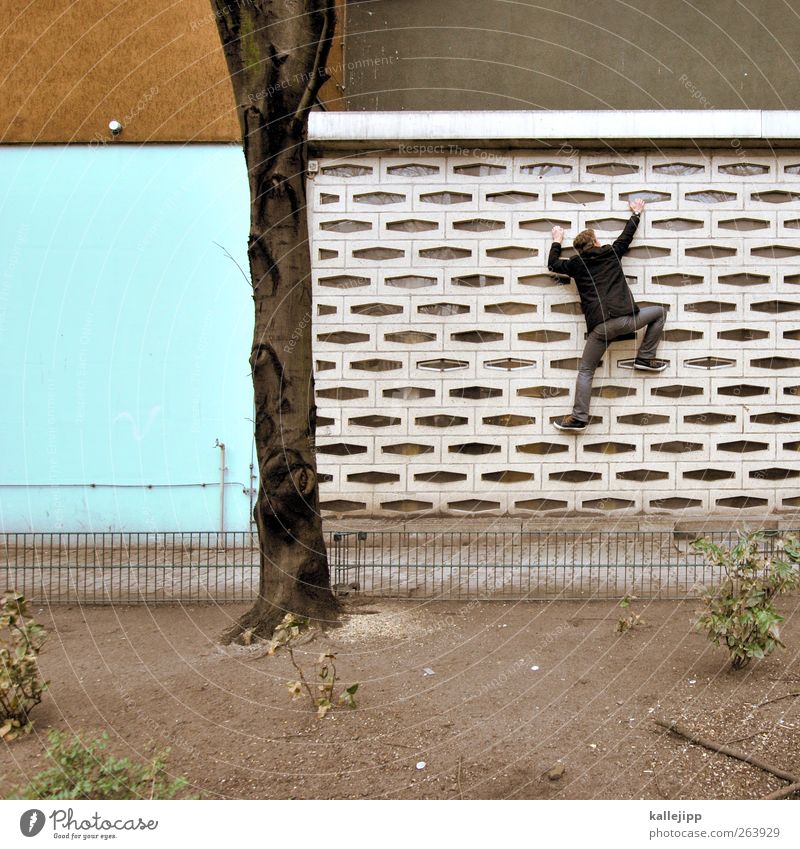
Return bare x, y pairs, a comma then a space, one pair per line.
533, 565
166, 568
131, 568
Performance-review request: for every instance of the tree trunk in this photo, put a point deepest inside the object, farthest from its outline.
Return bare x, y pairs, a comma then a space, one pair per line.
276, 52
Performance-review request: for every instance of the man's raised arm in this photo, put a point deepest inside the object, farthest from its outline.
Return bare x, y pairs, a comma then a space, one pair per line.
621, 245
554, 261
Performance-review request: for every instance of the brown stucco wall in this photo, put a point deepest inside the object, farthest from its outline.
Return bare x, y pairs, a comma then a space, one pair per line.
70, 67
573, 54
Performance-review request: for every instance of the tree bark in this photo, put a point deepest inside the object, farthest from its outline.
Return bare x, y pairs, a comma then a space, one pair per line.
276, 52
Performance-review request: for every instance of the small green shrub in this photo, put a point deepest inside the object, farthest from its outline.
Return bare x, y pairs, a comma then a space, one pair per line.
324, 698
85, 771
632, 620
21, 683
740, 614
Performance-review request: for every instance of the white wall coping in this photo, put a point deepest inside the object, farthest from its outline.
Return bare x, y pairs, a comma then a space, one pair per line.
529, 128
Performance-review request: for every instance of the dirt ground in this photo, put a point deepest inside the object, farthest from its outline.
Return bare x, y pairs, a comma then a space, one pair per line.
516, 689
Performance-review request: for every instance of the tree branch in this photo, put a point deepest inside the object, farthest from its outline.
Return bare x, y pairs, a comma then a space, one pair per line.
300, 673
777, 699
785, 791
316, 79
721, 749
233, 260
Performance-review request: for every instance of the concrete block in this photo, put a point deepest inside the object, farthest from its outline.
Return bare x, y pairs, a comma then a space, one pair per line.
659, 223
399, 169
492, 365
347, 169
328, 253
329, 430
409, 226
608, 447
736, 333
340, 228
747, 278
745, 165
623, 168
711, 418
467, 447
375, 198
780, 419
611, 504
746, 224
414, 340
577, 477
329, 339
547, 504
677, 447
718, 473
327, 199
512, 197
453, 308
441, 421
406, 391
679, 504
712, 195
771, 196
751, 503
325, 387
353, 505
393, 450
427, 477
785, 389
327, 309
390, 310
643, 420
514, 476
441, 197
579, 196
672, 164
783, 477
545, 167
625, 476
471, 163
718, 252
357, 477
498, 225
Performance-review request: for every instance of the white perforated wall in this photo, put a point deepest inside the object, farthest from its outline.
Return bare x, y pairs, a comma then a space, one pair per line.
444, 349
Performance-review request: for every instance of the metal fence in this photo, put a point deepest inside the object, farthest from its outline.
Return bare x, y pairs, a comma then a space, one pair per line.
533, 565
130, 568
166, 568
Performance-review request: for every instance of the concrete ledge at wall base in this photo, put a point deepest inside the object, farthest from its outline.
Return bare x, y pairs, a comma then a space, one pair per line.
573, 524
537, 128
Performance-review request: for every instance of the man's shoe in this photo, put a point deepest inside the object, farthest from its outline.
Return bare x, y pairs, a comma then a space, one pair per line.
650, 365
569, 423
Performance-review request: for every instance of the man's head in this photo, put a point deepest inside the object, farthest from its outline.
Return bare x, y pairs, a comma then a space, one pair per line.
584, 240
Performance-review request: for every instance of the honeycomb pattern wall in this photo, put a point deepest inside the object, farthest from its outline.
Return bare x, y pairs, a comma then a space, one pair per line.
444, 349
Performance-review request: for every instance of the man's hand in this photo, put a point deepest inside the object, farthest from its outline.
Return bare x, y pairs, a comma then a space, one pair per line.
558, 234
636, 206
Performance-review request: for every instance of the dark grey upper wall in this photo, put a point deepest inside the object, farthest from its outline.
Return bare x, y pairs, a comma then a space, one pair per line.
573, 54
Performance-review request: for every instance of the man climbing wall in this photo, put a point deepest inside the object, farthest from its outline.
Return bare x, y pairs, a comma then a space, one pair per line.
608, 307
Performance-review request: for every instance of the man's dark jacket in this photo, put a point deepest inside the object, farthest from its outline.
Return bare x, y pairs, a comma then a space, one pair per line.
598, 274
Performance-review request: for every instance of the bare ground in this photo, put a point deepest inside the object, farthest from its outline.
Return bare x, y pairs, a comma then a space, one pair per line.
485, 723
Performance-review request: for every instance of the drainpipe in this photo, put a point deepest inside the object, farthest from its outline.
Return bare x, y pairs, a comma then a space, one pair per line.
221, 446
252, 493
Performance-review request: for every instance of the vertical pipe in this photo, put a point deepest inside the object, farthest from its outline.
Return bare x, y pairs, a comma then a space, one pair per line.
252, 492
221, 446
222, 492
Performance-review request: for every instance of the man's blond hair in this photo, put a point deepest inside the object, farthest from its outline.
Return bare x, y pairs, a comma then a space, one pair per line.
585, 239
